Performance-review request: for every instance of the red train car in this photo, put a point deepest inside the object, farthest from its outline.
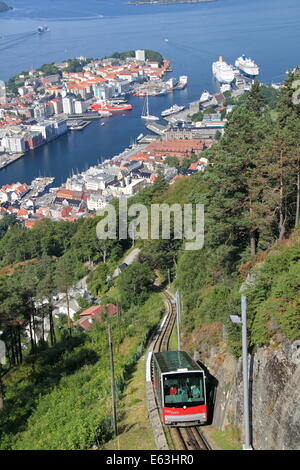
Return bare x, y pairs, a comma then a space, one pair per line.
179, 384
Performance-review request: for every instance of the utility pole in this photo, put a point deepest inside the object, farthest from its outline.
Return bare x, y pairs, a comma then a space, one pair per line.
243, 321
2, 361
245, 374
177, 296
113, 389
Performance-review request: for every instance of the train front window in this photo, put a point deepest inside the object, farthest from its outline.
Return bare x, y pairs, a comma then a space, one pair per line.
183, 390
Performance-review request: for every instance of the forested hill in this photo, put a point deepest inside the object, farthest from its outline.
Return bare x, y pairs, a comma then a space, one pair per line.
4, 7
56, 387
150, 55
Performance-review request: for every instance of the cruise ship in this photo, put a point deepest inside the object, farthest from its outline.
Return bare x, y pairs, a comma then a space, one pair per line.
174, 109
247, 67
223, 71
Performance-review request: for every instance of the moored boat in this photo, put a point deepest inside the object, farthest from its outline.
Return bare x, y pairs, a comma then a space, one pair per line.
223, 72
174, 109
111, 107
206, 96
247, 67
145, 114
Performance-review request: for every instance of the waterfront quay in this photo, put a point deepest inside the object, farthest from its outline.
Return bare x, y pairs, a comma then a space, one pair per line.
6, 159
77, 124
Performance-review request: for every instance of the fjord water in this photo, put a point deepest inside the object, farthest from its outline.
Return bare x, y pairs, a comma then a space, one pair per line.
267, 30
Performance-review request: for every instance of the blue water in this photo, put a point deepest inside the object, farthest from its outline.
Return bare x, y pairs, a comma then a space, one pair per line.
267, 30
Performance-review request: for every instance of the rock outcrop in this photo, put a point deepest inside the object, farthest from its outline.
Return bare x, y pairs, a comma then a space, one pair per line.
274, 384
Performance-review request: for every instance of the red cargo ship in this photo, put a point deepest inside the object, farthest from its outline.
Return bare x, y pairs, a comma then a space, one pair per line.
113, 108
139, 93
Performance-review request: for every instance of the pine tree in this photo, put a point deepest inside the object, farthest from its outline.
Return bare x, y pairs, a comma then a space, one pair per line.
230, 219
287, 107
64, 279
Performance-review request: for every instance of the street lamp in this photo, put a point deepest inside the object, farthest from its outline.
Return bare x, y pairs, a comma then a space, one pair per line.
177, 297
243, 321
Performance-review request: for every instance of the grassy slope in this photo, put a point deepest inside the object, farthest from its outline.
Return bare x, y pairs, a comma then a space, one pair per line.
63, 402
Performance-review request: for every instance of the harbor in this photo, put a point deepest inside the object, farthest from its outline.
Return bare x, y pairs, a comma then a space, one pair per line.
37, 187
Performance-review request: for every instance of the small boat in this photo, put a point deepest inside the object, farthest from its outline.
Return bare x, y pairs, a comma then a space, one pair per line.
145, 114
43, 29
174, 109
102, 123
206, 96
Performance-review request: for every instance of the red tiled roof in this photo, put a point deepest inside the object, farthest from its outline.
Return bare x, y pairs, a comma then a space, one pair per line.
96, 310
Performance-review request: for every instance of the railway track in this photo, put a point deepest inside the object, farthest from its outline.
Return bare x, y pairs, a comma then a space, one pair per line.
184, 438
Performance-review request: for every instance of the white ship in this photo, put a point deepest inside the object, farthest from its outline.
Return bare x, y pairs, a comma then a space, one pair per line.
206, 96
43, 29
247, 67
223, 71
182, 82
174, 109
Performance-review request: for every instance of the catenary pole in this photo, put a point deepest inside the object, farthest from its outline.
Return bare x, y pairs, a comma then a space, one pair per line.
177, 296
247, 445
113, 389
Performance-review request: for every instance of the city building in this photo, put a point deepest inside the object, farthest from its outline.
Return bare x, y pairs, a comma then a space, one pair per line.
68, 104
2, 92
80, 107
14, 143
140, 55
33, 140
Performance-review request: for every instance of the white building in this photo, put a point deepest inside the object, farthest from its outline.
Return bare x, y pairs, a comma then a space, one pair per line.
76, 183
51, 128
60, 126
134, 187
68, 105
22, 90
98, 182
140, 55
96, 202
14, 144
57, 106
2, 92
40, 111
80, 107
103, 92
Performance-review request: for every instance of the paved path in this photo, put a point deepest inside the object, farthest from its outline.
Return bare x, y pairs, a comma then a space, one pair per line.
129, 259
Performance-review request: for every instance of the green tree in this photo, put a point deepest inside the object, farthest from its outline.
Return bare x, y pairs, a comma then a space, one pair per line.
134, 284
64, 279
287, 107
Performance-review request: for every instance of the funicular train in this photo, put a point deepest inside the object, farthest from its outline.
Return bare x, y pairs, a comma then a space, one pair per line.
180, 388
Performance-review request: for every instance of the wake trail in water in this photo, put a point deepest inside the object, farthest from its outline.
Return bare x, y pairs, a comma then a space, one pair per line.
13, 40
188, 48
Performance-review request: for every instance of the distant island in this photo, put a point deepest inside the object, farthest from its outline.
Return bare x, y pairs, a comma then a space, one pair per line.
4, 7
162, 2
